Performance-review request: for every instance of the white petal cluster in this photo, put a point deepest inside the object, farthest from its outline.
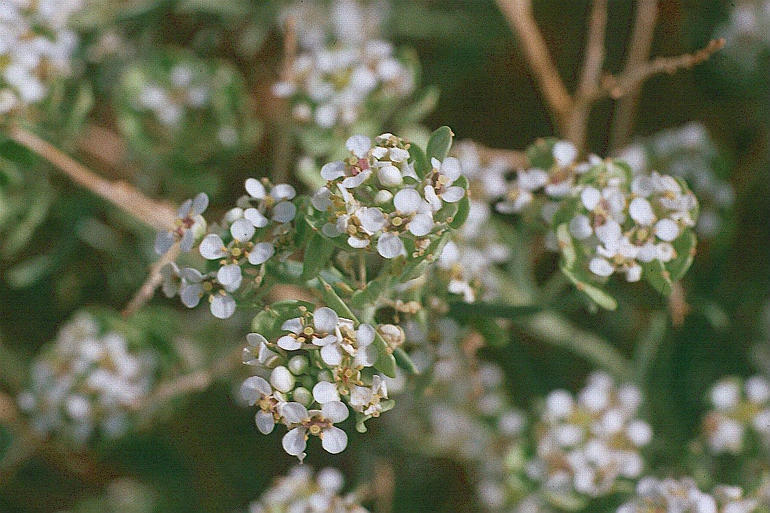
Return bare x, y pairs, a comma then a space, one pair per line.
332, 85
689, 153
376, 199
309, 377
301, 491
552, 182
585, 444
623, 226
87, 382
185, 87
35, 46
249, 235
469, 258
683, 496
347, 22
747, 32
738, 407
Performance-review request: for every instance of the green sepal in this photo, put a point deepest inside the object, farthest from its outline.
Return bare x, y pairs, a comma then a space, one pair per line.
420, 161
582, 282
685, 246
439, 143
463, 206
322, 250
404, 361
656, 275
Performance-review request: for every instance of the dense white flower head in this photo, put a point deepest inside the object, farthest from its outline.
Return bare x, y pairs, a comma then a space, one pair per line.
183, 88
687, 152
469, 258
309, 399
87, 382
554, 169
35, 46
332, 85
586, 443
248, 236
739, 407
683, 496
620, 226
747, 32
302, 491
377, 201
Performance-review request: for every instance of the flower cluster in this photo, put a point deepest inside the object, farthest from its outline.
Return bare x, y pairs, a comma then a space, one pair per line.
469, 257
377, 199
586, 444
739, 407
307, 377
612, 223
747, 32
683, 496
333, 85
347, 22
300, 490
689, 153
35, 45
552, 176
87, 382
249, 235
185, 88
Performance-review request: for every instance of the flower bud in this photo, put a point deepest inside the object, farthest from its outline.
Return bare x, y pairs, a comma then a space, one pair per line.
383, 196
303, 396
389, 176
282, 379
393, 335
298, 365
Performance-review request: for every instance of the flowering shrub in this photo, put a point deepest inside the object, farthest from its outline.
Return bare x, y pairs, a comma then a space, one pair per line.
458, 326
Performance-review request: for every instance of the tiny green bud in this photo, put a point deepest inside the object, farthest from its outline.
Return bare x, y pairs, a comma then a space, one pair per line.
303, 396
298, 365
281, 379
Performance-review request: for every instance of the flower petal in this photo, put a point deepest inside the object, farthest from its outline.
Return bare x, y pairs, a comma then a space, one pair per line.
324, 392
294, 442
364, 335
199, 204
334, 440
255, 188
293, 413
325, 320
289, 343
451, 168
331, 354
283, 191
255, 388
261, 253
265, 422
230, 276
222, 306
358, 145
163, 242
421, 225
453, 194
390, 246
284, 212
242, 230
256, 217
334, 410
333, 170
407, 201
212, 247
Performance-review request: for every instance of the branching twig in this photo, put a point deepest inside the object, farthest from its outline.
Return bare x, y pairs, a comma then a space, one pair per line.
519, 16
284, 141
638, 51
153, 281
153, 213
577, 124
616, 87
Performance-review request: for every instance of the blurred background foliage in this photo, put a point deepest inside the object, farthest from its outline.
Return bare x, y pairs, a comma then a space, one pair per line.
61, 248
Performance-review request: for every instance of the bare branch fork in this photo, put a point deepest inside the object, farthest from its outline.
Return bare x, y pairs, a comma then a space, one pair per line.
571, 112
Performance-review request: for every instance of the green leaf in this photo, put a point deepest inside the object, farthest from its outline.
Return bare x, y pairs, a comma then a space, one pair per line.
420, 161
566, 246
371, 292
439, 143
335, 302
657, 276
494, 334
685, 246
386, 362
404, 361
268, 321
461, 310
463, 206
317, 254
596, 294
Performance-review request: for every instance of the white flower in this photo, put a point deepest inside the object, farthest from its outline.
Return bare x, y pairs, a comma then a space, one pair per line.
190, 226
446, 173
